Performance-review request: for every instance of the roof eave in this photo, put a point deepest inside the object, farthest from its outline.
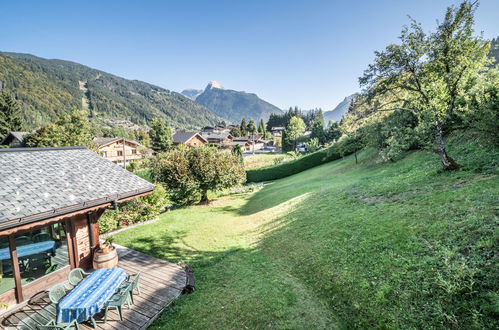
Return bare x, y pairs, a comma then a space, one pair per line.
72, 209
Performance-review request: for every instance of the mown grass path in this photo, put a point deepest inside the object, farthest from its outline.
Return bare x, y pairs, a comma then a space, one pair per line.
342, 245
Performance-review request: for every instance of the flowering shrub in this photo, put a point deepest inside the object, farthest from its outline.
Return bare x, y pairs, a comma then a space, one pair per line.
134, 211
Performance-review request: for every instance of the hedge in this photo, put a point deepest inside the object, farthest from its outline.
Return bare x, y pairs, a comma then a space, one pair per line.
295, 166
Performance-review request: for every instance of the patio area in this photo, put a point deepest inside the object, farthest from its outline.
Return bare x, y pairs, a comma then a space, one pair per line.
161, 282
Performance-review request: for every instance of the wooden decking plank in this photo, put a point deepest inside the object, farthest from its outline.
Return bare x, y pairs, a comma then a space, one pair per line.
152, 267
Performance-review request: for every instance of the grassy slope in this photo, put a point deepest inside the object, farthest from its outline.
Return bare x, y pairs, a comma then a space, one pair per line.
395, 245
261, 160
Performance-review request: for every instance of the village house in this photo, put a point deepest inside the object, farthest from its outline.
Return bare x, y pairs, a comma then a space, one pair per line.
191, 139
51, 199
277, 131
119, 150
218, 139
14, 139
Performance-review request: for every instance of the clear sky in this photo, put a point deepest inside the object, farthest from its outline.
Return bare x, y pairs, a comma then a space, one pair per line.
307, 53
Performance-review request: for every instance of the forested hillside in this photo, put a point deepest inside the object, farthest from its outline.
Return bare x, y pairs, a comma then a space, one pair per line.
51, 87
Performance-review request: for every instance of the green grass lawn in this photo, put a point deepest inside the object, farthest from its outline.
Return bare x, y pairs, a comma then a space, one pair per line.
399, 245
262, 160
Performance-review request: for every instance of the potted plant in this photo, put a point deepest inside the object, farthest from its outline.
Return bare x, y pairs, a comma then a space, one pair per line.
106, 255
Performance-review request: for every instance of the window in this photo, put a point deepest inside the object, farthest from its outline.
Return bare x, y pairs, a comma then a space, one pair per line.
104, 154
134, 151
6, 272
41, 251
120, 152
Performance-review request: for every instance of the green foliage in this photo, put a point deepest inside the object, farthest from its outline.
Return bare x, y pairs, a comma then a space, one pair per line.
313, 145
252, 127
345, 146
49, 88
236, 132
318, 132
481, 106
189, 173
238, 152
11, 118
161, 135
134, 211
294, 131
333, 131
73, 129
376, 246
243, 128
426, 74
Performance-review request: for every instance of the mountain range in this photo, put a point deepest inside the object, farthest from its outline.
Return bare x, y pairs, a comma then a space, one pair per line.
50, 87
339, 111
232, 105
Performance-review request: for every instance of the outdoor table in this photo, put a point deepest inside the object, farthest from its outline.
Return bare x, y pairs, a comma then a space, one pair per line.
90, 295
27, 250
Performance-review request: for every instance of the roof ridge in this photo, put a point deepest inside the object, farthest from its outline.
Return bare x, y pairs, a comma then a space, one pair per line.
42, 149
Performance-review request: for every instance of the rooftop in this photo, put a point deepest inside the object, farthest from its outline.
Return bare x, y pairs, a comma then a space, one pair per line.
43, 182
182, 137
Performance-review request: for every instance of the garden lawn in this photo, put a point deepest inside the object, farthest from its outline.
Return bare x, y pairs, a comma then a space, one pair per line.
263, 160
399, 245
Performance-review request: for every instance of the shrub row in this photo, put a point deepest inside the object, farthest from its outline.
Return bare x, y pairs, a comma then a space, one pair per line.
292, 167
345, 146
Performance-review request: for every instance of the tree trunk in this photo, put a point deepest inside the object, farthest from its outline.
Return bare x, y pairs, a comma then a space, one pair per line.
204, 197
355, 153
448, 163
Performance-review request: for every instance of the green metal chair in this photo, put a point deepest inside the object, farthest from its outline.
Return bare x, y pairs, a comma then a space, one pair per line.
118, 300
76, 275
35, 322
57, 292
134, 279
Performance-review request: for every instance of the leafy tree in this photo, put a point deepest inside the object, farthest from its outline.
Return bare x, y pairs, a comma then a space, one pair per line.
318, 131
313, 145
235, 131
252, 127
222, 124
189, 173
73, 129
426, 74
480, 109
244, 127
294, 131
10, 114
237, 151
161, 135
333, 131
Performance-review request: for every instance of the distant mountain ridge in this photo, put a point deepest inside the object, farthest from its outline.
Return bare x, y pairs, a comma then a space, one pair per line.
232, 105
341, 109
50, 87
191, 93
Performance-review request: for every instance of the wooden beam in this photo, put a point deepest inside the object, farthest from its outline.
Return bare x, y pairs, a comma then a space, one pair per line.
67, 227
15, 267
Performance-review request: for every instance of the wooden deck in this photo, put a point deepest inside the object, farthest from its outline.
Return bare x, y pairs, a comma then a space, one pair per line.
161, 282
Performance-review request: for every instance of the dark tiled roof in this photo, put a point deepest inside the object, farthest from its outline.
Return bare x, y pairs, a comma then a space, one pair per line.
18, 135
38, 180
183, 137
216, 135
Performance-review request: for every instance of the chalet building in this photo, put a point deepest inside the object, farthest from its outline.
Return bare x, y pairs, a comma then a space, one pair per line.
277, 131
14, 139
119, 150
191, 139
252, 142
219, 139
50, 201
244, 144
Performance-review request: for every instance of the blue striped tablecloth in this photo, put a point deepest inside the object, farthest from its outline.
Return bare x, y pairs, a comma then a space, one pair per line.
90, 295
29, 249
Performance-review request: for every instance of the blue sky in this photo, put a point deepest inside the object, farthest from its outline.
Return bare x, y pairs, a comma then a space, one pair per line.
304, 53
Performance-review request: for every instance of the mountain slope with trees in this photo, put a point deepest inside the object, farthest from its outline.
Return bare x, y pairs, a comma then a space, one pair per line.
49, 88
233, 105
